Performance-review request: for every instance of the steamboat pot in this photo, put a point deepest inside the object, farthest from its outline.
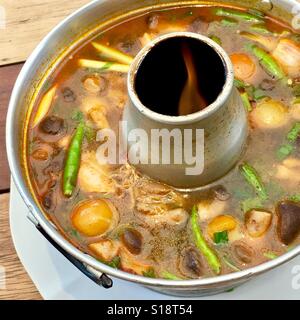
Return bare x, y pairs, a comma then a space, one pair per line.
56, 45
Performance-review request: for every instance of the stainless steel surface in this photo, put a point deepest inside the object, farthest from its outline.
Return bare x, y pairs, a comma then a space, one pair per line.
45, 55
224, 123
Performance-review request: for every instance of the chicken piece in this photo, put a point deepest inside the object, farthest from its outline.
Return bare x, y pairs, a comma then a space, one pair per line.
95, 110
129, 263
105, 250
153, 198
287, 53
289, 171
209, 209
93, 177
176, 218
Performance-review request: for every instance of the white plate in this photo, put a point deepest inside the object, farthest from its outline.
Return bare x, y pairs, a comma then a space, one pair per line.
56, 278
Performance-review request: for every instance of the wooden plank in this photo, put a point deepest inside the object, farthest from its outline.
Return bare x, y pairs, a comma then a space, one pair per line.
27, 22
8, 75
17, 282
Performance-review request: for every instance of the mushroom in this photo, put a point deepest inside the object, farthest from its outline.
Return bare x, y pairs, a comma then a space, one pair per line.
52, 125
190, 263
132, 240
288, 221
243, 253
94, 83
257, 222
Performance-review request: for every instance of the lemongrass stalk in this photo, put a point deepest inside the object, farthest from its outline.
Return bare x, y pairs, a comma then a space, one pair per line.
113, 54
103, 65
44, 106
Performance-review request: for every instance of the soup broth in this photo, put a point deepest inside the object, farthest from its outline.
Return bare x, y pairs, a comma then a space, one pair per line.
141, 226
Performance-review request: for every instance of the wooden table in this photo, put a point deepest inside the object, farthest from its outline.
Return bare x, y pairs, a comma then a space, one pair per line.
27, 22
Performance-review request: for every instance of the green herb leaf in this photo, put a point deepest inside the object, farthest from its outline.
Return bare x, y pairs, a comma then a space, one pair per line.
259, 94
77, 116
221, 237
252, 203
170, 276
216, 39
295, 198
114, 263
270, 255
239, 84
150, 273
90, 133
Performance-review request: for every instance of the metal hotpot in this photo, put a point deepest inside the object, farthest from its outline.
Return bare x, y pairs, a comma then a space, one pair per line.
57, 44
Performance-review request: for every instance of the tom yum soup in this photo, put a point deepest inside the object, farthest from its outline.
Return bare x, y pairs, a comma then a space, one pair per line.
141, 226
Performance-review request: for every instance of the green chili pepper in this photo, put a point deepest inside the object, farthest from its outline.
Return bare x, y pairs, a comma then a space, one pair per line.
254, 180
242, 15
268, 62
201, 244
73, 161
294, 132
246, 101
170, 276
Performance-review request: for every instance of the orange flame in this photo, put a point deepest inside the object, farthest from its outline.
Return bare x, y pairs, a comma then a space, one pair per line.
191, 100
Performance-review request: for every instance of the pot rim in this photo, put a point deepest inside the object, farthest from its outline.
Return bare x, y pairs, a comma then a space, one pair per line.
23, 189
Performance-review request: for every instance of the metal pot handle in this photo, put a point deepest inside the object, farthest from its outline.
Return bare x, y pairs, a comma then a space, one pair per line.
96, 276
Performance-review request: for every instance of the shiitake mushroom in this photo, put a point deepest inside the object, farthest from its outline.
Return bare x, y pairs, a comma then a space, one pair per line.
221, 193
288, 221
132, 240
68, 94
190, 264
242, 252
257, 222
52, 125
